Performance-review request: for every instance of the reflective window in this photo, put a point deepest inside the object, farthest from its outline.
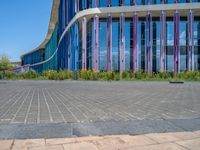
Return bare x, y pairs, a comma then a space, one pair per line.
140, 2
127, 2
103, 3
182, 1
128, 47
90, 44
102, 44
156, 1
183, 46
170, 46
115, 3
115, 44
141, 45
197, 44
195, 0
156, 46
170, 1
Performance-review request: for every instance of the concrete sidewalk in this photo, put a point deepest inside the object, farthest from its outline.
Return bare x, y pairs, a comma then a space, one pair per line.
154, 141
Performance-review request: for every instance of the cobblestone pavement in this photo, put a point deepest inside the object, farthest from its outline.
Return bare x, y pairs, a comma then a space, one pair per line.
83, 105
166, 141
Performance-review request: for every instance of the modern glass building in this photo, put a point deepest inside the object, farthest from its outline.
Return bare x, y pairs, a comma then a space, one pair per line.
120, 35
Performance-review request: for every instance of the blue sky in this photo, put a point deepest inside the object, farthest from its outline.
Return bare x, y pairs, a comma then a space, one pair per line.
23, 25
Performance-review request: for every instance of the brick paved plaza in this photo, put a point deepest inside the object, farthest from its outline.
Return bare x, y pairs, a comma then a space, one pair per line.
46, 109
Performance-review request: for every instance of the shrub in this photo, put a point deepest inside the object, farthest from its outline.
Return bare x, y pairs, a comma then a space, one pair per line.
95, 75
116, 76
140, 75
9, 75
51, 74
102, 75
1, 75
82, 75
109, 75
28, 75
62, 74
70, 75
41, 78
126, 75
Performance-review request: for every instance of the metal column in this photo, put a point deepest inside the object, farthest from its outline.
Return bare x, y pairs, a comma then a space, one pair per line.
76, 6
148, 43
96, 3
84, 43
63, 16
135, 42
69, 50
176, 42
96, 43
190, 46
109, 43
163, 41
122, 44
76, 60
109, 3
66, 12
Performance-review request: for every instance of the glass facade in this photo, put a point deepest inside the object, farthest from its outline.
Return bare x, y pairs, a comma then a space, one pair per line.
149, 42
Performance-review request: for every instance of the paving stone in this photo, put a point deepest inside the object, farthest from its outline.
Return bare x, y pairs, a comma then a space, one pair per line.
137, 140
193, 144
166, 146
111, 144
162, 138
6, 144
197, 132
185, 135
28, 143
60, 141
89, 138
80, 146
78, 108
53, 147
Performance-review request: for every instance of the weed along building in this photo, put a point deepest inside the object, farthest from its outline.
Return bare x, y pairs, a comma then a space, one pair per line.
120, 35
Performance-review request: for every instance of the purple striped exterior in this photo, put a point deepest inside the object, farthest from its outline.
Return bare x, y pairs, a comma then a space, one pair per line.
148, 43
135, 42
109, 43
84, 42
96, 3
122, 43
21, 68
63, 16
69, 47
66, 10
176, 42
96, 43
76, 6
76, 40
190, 60
109, 2
163, 41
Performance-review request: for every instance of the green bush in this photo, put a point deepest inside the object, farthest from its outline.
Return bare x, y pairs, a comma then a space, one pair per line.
103, 75
51, 74
95, 75
41, 78
109, 75
9, 75
28, 75
116, 76
140, 75
126, 75
1, 76
62, 74
82, 75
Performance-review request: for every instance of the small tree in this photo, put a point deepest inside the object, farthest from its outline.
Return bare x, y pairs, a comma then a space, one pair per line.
4, 64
